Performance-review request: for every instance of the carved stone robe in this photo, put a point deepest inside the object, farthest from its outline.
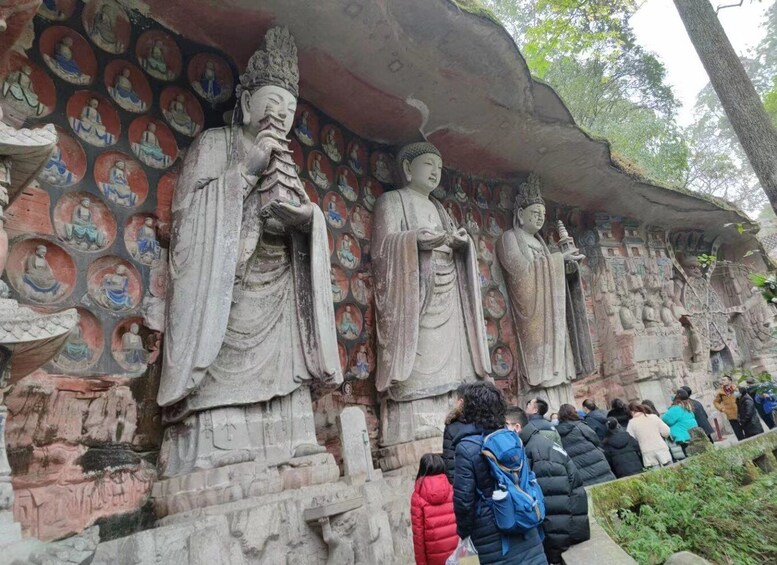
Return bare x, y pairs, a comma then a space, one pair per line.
275, 334
429, 316
549, 313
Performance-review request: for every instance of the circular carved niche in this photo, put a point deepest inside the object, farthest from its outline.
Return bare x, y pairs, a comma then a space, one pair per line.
348, 251
182, 111
84, 345
362, 361
152, 142
107, 25
114, 284
84, 222
134, 346
382, 167
356, 157
164, 203
211, 77
128, 86
27, 91
67, 164
41, 271
158, 55
349, 321
121, 179
68, 55
93, 118
306, 126
141, 239
502, 361
57, 10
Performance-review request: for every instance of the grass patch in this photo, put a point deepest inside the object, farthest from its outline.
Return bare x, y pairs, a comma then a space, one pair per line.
713, 505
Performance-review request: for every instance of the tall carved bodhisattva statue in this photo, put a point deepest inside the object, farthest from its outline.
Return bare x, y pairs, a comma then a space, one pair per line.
250, 321
547, 301
430, 332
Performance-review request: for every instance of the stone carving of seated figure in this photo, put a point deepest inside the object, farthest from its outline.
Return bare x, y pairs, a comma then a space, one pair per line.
124, 93
208, 86
103, 30
56, 172
89, 125
117, 189
149, 150
178, 117
39, 279
76, 351
148, 246
132, 350
155, 64
114, 290
64, 64
82, 230
19, 91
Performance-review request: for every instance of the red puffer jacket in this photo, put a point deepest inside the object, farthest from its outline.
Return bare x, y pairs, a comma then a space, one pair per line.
434, 524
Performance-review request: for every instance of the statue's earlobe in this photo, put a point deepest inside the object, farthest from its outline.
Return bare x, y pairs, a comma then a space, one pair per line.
245, 104
406, 170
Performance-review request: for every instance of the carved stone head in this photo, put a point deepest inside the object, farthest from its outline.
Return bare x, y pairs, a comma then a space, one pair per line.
421, 166
691, 267
531, 219
529, 206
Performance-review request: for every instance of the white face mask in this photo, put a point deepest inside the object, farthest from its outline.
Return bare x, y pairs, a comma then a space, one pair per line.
554, 421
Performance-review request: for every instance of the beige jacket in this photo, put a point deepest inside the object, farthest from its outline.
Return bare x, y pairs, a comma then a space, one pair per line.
726, 403
649, 431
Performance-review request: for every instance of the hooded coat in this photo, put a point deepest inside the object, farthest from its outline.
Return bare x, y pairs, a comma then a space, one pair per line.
622, 452
582, 445
453, 425
566, 503
472, 484
597, 421
434, 524
748, 416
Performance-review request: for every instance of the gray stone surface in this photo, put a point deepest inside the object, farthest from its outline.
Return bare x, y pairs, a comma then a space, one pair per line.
686, 558
355, 441
654, 347
600, 549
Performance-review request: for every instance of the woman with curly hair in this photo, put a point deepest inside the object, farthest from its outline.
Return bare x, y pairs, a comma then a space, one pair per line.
483, 410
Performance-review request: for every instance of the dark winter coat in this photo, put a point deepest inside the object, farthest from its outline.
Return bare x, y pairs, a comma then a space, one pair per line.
434, 524
547, 429
566, 503
622, 416
582, 445
597, 421
701, 417
452, 428
748, 417
622, 452
474, 517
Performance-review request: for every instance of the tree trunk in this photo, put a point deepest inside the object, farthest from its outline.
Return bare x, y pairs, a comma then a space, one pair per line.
735, 89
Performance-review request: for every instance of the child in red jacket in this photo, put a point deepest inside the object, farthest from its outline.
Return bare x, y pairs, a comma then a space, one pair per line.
431, 512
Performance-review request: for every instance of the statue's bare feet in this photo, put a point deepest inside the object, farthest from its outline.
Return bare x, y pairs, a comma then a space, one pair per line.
306, 449
425, 432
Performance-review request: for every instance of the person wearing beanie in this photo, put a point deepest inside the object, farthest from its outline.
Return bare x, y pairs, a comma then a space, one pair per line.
700, 413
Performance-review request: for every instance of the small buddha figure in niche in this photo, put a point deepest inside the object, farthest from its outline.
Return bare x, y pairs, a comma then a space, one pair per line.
481, 198
118, 189
19, 90
369, 195
345, 253
330, 146
208, 86
124, 93
155, 64
427, 293
458, 190
334, 215
360, 291
348, 328
317, 175
501, 367
132, 350
382, 171
51, 11
484, 252
103, 29
361, 369
302, 129
338, 294
345, 188
82, 230
149, 150
39, 279
649, 314
76, 351
89, 125
55, 172
114, 290
179, 118
64, 64
148, 246
354, 161
357, 223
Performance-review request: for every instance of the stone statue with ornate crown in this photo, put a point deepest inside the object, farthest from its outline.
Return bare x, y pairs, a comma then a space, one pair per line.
250, 322
546, 299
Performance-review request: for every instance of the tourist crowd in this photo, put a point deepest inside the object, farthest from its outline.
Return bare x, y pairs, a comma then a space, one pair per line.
454, 496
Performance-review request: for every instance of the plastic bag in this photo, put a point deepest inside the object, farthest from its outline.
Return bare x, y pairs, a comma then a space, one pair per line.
465, 554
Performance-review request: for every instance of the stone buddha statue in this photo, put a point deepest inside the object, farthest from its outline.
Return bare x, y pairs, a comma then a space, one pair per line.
250, 321
547, 302
427, 297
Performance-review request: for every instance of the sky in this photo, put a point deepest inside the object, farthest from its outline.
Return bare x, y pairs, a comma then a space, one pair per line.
660, 30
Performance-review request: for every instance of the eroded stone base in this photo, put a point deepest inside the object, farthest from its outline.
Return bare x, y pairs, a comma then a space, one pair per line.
408, 454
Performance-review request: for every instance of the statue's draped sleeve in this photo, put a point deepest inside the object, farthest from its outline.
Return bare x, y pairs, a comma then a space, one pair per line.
207, 213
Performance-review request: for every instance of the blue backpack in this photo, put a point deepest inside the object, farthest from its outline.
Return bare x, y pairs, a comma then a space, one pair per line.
518, 503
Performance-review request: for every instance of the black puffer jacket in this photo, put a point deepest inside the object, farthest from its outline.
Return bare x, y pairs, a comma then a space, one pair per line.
566, 504
623, 454
622, 416
474, 517
453, 426
597, 421
701, 417
748, 417
582, 445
